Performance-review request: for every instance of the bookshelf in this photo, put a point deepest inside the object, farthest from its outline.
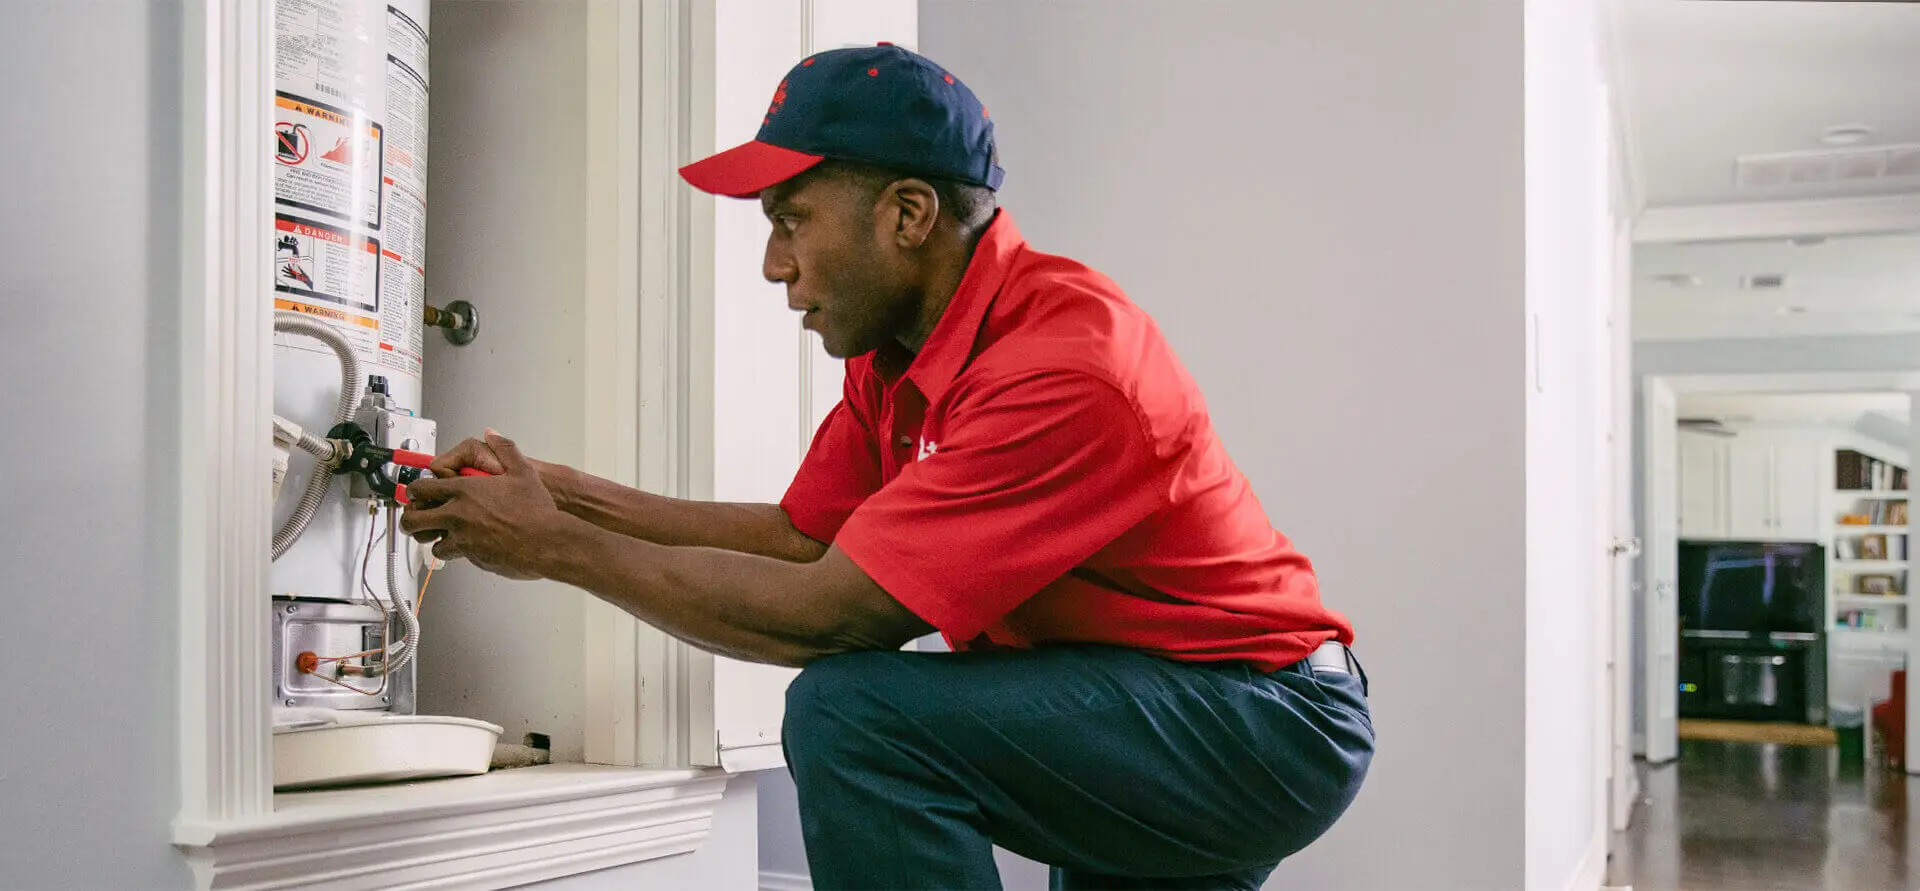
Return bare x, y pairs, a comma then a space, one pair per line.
1867, 559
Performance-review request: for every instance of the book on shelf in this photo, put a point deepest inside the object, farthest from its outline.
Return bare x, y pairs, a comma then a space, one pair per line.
1854, 471
1879, 585
1871, 618
1874, 546
1876, 513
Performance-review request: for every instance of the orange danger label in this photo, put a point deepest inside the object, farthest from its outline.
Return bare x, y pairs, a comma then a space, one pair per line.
327, 234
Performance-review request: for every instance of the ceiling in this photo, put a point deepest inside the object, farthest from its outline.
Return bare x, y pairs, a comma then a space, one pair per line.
1863, 284
1710, 82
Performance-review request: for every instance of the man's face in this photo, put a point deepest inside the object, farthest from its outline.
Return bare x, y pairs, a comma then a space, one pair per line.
829, 247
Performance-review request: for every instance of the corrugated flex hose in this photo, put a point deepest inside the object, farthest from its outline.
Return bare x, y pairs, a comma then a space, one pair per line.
303, 513
410, 639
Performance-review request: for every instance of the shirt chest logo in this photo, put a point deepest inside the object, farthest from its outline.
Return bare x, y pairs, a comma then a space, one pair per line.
927, 449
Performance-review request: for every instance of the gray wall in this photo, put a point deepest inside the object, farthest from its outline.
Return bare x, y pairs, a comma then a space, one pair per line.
1758, 355
1243, 170
506, 211
88, 274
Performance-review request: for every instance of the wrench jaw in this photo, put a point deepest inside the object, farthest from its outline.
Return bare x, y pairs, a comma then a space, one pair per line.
369, 462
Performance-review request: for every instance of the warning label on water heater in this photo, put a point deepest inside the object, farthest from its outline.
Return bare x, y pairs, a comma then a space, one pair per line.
327, 160
326, 263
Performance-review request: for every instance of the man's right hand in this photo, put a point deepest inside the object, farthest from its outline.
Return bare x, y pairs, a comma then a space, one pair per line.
473, 452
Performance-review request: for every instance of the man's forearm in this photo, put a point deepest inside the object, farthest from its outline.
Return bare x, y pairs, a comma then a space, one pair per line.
737, 604
761, 529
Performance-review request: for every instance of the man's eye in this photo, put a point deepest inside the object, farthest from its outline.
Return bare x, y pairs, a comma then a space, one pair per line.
787, 222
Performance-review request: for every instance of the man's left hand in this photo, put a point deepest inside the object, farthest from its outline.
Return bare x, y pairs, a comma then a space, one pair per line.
505, 524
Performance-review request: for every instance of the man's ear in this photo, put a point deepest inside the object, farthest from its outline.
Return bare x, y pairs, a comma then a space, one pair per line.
918, 206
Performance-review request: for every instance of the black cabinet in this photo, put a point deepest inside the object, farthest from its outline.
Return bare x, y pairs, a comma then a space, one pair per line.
1761, 678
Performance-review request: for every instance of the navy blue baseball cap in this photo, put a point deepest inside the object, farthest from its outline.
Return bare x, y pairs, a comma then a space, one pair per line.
880, 105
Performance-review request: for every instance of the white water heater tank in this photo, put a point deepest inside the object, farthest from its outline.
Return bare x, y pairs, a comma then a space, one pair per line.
349, 241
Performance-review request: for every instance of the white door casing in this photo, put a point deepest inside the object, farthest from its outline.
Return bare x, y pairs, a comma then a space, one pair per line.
1660, 569
1623, 783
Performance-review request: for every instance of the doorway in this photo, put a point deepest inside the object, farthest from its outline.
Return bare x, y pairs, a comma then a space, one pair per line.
1775, 560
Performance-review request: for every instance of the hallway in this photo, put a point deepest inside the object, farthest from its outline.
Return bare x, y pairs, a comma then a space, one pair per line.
1766, 817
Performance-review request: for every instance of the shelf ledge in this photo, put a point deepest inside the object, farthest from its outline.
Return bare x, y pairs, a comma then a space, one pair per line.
501, 829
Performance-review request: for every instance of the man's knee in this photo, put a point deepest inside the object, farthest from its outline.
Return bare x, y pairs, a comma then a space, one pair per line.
837, 702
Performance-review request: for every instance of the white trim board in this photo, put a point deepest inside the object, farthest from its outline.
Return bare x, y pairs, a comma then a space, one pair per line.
500, 830
1592, 871
1778, 219
226, 394
612, 363
1792, 382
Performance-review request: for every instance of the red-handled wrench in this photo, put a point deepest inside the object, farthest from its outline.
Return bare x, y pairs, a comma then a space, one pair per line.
370, 461
420, 461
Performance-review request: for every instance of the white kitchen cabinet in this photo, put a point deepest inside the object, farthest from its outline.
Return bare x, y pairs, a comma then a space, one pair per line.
1702, 478
1749, 488
1799, 480
1773, 489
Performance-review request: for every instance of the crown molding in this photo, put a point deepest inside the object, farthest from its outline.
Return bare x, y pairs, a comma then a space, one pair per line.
1779, 219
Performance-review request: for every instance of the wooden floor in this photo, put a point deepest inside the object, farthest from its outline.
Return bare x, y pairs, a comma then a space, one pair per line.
1755, 731
1736, 816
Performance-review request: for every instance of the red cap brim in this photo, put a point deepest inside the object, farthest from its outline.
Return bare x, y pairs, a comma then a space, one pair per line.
744, 170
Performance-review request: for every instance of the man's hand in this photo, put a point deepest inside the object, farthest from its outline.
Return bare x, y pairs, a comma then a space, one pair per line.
506, 524
471, 452
474, 452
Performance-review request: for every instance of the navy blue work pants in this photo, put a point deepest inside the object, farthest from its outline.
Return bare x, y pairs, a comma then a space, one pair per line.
1116, 768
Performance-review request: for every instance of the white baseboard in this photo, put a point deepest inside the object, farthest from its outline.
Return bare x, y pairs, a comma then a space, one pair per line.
785, 881
1593, 866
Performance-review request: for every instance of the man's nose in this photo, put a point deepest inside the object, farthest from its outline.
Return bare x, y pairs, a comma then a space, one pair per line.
778, 266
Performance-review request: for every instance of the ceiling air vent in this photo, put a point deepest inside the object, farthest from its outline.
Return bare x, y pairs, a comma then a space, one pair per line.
1709, 426
1768, 282
1835, 166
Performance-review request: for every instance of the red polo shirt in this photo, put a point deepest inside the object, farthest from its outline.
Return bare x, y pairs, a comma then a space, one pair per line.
1044, 471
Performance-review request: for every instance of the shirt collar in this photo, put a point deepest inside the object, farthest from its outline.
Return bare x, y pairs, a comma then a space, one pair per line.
948, 348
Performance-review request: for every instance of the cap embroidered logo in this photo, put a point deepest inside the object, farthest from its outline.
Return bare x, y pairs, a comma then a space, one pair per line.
779, 101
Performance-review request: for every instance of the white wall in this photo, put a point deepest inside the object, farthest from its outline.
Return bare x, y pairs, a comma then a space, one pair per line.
88, 279
1327, 217
1569, 251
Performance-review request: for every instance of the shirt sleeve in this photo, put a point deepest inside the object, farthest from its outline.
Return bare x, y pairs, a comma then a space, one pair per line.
1033, 474
840, 470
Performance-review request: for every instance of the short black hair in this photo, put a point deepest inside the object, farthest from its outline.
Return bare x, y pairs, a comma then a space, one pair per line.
970, 204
